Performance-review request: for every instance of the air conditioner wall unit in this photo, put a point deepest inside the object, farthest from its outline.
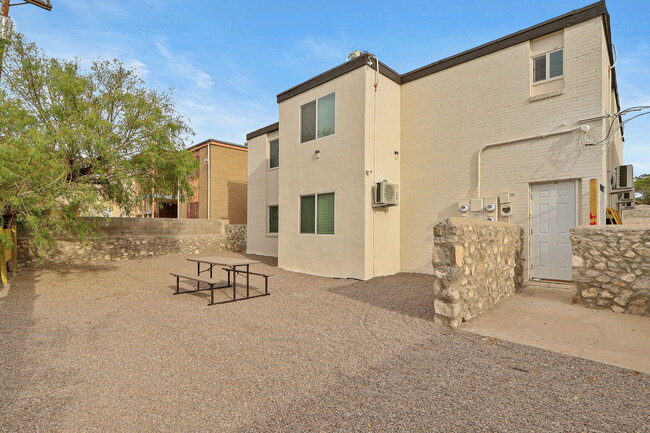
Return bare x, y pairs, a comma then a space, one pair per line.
385, 194
625, 197
624, 177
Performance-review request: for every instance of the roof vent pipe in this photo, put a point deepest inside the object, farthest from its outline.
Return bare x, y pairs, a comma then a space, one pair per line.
353, 55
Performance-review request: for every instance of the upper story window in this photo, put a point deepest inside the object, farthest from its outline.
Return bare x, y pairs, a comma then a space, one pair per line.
317, 118
547, 66
274, 153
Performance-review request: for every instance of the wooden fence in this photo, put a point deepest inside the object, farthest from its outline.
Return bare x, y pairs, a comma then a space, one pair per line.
8, 256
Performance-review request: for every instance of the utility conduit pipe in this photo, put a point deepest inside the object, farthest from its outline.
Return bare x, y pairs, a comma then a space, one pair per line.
209, 179
583, 128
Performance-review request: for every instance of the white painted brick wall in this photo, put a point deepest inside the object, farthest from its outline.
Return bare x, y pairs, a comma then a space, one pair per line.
448, 116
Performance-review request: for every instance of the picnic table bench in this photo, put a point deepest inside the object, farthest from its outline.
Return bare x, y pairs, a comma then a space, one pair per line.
231, 266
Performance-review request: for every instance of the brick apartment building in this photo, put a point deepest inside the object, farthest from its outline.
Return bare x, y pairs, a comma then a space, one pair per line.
221, 187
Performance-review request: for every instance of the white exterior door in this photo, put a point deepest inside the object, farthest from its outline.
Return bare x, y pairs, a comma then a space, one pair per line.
553, 216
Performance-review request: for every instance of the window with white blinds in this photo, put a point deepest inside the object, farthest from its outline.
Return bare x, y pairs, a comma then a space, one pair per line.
317, 214
317, 118
325, 214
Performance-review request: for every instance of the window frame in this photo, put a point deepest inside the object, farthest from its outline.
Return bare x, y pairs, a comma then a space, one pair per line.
268, 220
315, 119
269, 157
315, 195
547, 59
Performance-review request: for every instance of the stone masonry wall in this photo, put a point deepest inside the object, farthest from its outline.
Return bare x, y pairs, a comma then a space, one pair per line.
640, 215
611, 268
236, 237
476, 264
127, 238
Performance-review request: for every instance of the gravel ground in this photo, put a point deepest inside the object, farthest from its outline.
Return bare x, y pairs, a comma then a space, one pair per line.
108, 348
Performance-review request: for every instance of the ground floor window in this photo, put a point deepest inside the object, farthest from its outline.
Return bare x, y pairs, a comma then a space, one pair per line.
273, 219
317, 214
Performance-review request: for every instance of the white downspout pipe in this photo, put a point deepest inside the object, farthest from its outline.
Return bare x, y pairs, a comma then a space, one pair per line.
516, 140
209, 176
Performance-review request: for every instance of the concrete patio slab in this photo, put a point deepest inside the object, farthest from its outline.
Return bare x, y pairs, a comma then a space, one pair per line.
541, 315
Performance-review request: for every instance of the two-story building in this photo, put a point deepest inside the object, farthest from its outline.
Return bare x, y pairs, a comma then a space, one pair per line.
501, 131
220, 185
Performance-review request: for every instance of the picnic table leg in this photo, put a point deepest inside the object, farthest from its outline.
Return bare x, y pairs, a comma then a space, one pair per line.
247, 282
211, 294
177, 285
266, 285
198, 268
211, 266
234, 285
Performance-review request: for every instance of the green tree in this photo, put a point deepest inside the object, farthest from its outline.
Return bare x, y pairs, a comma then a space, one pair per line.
73, 138
642, 188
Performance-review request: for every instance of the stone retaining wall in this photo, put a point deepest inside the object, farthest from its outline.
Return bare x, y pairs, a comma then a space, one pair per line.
127, 238
611, 268
640, 215
476, 264
236, 237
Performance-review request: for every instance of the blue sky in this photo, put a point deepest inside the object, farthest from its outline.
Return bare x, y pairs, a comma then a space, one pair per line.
226, 61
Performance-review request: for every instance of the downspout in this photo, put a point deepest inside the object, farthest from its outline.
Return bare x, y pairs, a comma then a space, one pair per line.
517, 140
209, 176
374, 152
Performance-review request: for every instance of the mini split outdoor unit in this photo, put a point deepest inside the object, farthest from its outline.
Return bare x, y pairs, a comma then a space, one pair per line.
623, 178
626, 197
385, 194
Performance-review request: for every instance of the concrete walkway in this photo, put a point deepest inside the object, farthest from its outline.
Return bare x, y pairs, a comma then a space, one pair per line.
541, 315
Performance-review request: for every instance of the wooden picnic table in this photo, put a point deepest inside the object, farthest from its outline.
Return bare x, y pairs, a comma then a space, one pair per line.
230, 265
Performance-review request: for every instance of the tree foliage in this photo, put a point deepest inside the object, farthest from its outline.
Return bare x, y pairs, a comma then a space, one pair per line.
71, 139
642, 188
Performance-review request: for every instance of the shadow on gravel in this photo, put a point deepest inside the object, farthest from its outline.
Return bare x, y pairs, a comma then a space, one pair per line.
409, 294
456, 383
267, 260
74, 269
20, 344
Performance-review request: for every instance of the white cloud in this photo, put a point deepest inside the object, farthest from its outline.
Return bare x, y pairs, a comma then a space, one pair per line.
94, 10
225, 121
323, 49
180, 63
139, 67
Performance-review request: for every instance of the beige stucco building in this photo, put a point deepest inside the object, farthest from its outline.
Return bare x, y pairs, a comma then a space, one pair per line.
220, 187
508, 122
